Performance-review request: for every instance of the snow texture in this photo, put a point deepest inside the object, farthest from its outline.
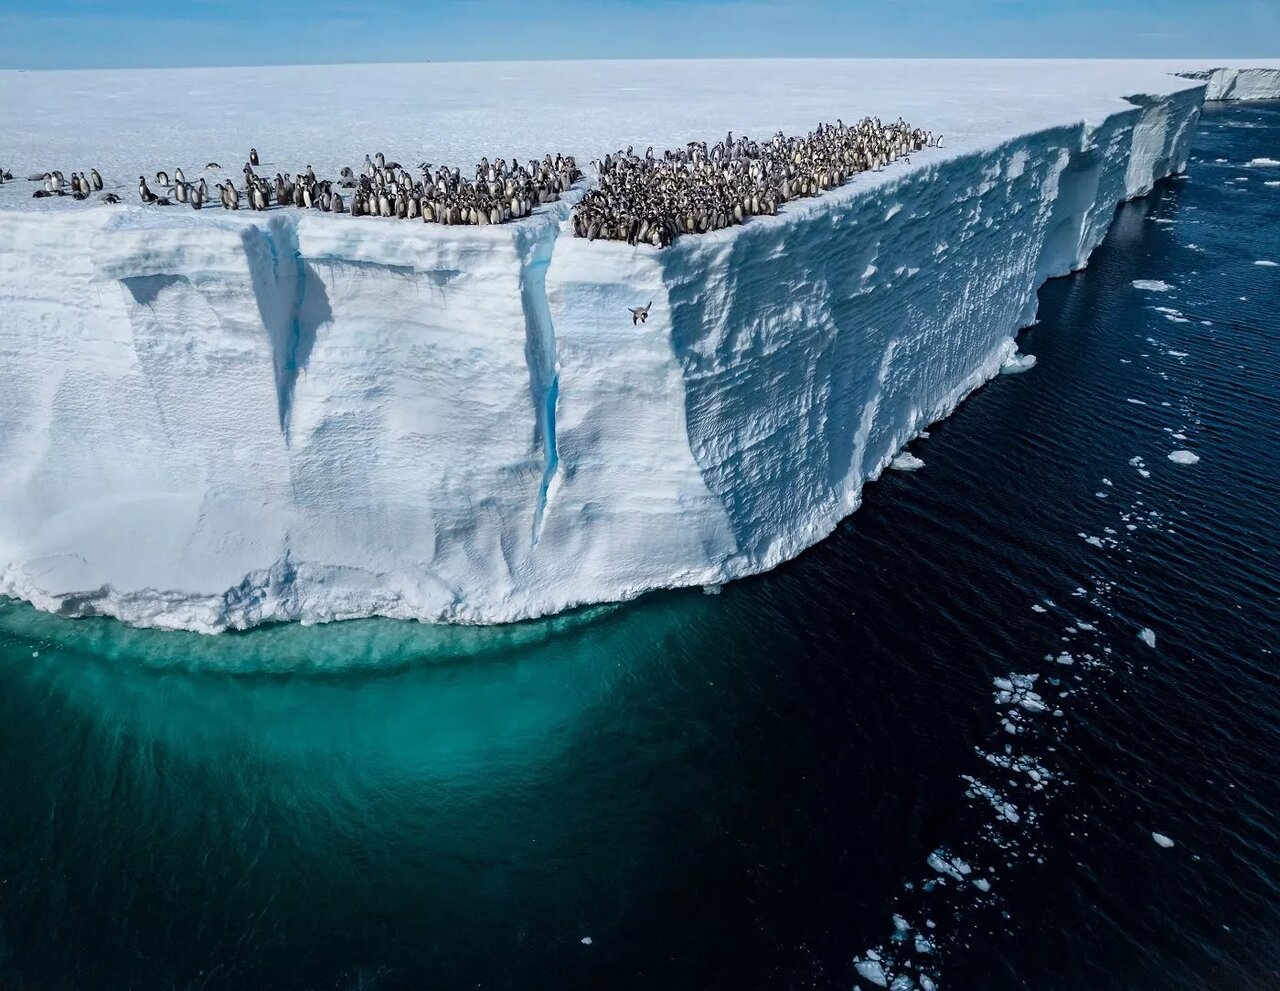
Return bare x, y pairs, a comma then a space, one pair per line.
214, 420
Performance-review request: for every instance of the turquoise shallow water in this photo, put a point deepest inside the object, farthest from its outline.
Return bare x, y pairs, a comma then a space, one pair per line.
740, 790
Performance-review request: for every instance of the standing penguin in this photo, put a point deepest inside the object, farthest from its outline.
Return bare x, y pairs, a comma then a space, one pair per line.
96, 178
253, 157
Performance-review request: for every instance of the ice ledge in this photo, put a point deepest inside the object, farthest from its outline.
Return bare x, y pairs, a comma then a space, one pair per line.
224, 423
1225, 83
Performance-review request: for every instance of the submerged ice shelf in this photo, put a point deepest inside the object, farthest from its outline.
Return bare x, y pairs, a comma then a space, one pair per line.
215, 420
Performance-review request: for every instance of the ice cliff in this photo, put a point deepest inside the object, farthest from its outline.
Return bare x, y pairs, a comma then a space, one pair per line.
210, 421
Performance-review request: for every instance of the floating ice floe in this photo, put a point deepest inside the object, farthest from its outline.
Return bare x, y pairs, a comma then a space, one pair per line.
954, 867
1016, 363
1264, 162
1162, 840
1183, 457
1273, 183
1003, 808
1151, 285
906, 461
1266, 264
871, 969
1147, 636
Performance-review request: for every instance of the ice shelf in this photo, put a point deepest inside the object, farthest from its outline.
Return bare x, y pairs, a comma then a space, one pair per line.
213, 420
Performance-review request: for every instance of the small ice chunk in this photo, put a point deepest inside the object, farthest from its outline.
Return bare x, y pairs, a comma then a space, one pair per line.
982, 884
1147, 636
1183, 457
1017, 363
906, 461
871, 970
1266, 264
586, 940
1151, 285
1036, 607
1162, 840
1264, 162
951, 866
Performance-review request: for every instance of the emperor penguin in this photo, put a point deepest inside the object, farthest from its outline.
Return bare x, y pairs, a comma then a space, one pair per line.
146, 194
253, 156
178, 177
96, 178
162, 178
639, 314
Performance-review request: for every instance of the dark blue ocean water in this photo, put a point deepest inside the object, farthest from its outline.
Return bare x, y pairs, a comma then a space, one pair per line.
741, 791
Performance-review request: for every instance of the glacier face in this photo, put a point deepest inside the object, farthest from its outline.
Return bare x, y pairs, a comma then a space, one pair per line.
211, 421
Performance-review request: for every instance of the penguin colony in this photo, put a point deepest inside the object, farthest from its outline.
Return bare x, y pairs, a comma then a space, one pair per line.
647, 200
500, 192
640, 200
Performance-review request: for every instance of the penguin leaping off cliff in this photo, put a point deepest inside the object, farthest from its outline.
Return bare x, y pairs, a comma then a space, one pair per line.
639, 314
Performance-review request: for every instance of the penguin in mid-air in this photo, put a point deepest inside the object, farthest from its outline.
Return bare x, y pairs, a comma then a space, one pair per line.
639, 314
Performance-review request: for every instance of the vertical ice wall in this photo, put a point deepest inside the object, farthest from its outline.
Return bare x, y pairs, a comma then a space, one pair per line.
217, 421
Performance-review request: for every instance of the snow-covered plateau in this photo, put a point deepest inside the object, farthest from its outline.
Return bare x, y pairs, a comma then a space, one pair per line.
212, 420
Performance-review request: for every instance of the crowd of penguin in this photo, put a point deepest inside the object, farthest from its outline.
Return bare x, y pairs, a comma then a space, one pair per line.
651, 200
637, 199
500, 191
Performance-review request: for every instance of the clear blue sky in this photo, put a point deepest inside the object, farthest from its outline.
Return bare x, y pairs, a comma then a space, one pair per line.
110, 33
